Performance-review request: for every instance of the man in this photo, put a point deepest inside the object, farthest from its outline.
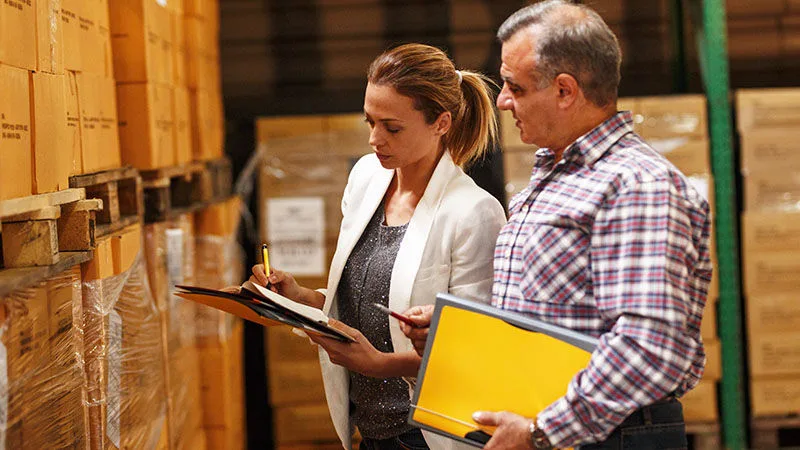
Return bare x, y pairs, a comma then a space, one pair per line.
608, 239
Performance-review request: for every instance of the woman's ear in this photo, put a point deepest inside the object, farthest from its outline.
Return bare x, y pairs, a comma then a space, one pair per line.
443, 123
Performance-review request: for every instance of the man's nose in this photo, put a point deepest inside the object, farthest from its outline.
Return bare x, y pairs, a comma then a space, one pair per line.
503, 100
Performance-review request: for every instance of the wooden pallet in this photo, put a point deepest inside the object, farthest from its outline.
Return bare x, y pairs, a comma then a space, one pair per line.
176, 190
121, 193
775, 432
704, 436
45, 234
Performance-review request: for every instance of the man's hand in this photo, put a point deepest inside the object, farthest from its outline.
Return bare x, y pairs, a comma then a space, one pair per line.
420, 315
513, 430
359, 356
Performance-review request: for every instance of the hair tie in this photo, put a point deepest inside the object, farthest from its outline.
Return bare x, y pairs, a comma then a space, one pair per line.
460, 77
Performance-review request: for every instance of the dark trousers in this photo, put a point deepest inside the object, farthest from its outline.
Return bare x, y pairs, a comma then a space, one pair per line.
410, 440
659, 426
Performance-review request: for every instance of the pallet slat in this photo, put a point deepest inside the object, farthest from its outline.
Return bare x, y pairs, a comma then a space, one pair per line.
14, 279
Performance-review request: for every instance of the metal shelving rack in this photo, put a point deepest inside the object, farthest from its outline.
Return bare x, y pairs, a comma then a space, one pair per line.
708, 18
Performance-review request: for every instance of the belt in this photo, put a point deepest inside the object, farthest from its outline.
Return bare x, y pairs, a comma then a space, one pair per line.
665, 411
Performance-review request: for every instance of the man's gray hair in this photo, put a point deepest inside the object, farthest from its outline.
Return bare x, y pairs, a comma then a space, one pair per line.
571, 39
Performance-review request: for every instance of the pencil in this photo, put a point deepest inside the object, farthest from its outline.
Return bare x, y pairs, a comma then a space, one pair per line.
265, 254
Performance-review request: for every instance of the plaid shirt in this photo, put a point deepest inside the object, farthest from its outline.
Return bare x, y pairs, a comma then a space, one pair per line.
611, 241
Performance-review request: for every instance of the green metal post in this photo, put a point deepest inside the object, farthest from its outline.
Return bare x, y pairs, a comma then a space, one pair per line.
709, 21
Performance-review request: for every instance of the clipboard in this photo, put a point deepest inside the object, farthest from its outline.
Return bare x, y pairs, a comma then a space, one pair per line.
264, 307
480, 358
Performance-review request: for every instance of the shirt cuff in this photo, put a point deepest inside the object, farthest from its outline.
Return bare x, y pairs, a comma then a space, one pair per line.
561, 425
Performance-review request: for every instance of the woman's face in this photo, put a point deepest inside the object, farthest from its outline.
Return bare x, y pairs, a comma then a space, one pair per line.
399, 135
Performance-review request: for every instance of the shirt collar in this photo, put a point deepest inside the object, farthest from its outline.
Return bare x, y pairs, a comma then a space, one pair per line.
592, 145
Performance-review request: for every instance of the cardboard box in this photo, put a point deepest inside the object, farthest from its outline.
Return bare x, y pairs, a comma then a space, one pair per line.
72, 11
673, 116
509, 132
771, 272
72, 141
766, 151
179, 50
18, 34
303, 423
713, 370
49, 37
295, 383
98, 118
348, 135
518, 165
773, 313
207, 132
700, 404
301, 134
767, 108
708, 327
183, 127
219, 219
770, 232
125, 247
775, 396
93, 52
222, 366
15, 132
51, 164
774, 354
772, 191
690, 156
141, 38
284, 346
146, 125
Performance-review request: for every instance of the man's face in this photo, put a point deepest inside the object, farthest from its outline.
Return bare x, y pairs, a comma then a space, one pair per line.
533, 108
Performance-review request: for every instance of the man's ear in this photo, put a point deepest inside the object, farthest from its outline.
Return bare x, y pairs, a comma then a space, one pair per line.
568, 90
443, 123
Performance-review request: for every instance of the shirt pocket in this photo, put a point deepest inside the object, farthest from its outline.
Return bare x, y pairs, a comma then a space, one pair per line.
556, 266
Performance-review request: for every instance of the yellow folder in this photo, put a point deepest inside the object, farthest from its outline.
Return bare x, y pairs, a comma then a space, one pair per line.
480, 358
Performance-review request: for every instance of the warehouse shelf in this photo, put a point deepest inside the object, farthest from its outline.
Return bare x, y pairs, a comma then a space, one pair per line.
708, 18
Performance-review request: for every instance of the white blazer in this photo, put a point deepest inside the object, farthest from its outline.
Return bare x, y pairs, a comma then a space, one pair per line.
448, 247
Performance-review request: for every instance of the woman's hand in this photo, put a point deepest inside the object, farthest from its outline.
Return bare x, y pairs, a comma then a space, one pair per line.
359, 356
420, 315
284, 283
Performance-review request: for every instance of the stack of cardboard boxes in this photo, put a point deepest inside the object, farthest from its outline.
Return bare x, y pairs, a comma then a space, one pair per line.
126, 399
167, 73
307, 161
169, 250
767, 122
41, 343
59, 114
219, 263
676, 127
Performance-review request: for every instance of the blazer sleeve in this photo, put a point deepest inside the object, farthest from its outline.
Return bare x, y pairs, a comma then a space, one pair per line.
472, 256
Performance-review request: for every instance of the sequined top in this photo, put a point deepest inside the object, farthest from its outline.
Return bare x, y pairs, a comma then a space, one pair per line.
378, 407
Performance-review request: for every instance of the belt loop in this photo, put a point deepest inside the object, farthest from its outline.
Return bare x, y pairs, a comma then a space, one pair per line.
647, 414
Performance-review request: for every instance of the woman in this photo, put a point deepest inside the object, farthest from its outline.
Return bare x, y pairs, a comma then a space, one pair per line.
413, 225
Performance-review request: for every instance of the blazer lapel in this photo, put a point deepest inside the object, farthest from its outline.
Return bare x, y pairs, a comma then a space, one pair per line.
373, 195
409, 257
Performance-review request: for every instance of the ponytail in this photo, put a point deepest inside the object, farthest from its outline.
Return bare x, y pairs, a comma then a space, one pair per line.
474, 129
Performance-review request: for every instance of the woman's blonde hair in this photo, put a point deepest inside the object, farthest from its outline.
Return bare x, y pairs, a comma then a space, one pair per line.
427, 76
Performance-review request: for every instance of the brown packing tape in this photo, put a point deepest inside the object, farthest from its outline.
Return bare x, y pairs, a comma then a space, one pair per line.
15, 132
49, 37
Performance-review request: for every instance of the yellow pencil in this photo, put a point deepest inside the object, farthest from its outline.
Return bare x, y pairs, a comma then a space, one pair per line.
265, 253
